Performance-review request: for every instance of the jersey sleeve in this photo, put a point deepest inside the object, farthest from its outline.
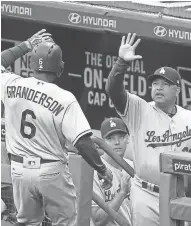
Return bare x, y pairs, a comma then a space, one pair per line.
6, 78
74, 123
135, 111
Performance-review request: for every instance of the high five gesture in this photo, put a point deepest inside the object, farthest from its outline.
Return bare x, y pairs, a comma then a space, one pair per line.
128, 47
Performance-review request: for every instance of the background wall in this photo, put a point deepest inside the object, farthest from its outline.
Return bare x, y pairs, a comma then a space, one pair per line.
89, 57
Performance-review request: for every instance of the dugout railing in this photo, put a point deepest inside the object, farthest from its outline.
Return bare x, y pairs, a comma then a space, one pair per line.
175, 208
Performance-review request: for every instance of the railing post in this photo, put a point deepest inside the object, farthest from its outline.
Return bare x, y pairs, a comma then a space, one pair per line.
174, 207
82, 175
170, 187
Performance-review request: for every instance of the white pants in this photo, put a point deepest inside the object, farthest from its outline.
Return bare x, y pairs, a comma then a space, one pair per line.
47, 189
145, 206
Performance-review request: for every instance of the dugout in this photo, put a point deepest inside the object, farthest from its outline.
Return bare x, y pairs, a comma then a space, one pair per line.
90, 35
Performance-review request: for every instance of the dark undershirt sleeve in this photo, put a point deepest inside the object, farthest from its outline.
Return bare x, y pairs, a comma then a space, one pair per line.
114, 86
9, 56
89, 153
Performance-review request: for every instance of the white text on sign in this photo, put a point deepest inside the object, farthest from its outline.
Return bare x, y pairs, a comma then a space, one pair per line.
95, 77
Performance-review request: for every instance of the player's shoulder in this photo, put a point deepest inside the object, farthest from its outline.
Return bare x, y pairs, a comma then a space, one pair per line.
63, 94
3, 70
183, 111
7, 76
6, 71
152, 107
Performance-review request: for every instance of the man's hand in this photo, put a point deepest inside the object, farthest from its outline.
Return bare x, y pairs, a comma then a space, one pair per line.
106, 177
127, 48
37, 38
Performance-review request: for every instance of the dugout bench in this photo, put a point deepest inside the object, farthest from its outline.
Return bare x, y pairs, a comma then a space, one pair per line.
175, 208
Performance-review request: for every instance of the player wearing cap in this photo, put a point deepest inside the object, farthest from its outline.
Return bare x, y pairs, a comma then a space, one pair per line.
156, 127
115, 134
39, 117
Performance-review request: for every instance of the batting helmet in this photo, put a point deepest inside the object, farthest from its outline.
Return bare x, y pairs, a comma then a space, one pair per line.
47, 56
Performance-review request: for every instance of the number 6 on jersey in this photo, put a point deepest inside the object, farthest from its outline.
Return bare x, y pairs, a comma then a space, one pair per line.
25, 123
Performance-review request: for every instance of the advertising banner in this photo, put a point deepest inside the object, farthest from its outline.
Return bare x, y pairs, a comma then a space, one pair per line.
100, 19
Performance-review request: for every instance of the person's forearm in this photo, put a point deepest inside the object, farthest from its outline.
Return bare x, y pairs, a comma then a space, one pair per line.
9, 56
87, 150
101, 217
114, 86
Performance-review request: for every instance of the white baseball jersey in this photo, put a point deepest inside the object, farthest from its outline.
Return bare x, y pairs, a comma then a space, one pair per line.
39, 117
154, 132
4, 156
108, 195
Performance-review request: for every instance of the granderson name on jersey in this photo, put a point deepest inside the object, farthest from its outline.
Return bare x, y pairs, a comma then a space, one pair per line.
36, 97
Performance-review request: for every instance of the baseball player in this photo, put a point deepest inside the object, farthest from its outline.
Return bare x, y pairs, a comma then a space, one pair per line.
39, 117
4, 156
155, 127
6, 188
115, 134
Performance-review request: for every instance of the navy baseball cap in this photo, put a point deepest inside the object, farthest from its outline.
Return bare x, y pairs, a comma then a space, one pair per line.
168, 73
111, 125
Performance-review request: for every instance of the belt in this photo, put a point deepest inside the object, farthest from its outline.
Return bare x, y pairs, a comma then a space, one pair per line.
150, 186
19, 159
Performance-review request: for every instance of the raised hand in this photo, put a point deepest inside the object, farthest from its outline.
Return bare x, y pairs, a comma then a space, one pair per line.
39, 37
128, 47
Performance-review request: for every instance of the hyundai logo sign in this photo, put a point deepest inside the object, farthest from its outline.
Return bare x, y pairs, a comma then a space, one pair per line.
74, 18
160, 31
